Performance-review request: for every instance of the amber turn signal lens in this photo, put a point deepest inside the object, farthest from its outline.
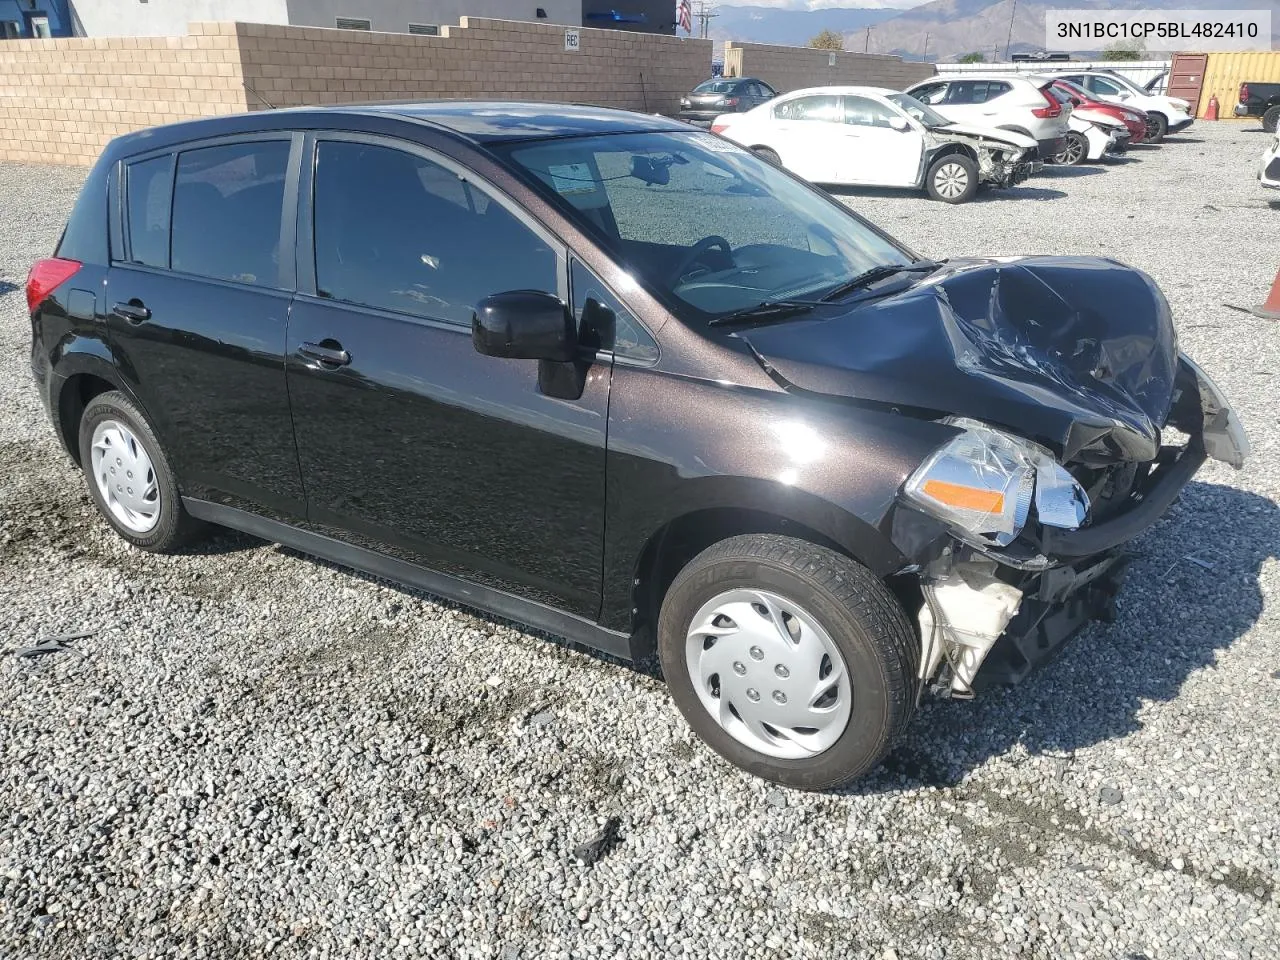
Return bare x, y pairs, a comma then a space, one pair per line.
965, 498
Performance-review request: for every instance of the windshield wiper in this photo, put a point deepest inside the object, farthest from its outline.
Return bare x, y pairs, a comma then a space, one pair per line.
765, 311
868, 277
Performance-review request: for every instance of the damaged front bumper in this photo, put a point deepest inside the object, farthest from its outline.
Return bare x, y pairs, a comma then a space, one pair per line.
1005, 173
991, 614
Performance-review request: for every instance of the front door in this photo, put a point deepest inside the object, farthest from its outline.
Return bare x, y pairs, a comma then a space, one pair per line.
879, 153
410, 441
198, 296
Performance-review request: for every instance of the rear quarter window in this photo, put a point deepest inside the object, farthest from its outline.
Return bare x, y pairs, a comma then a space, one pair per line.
147, 190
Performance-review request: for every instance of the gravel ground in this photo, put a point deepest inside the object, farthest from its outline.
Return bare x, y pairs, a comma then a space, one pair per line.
259, 753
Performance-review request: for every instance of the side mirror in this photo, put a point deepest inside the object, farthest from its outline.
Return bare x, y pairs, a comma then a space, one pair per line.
526, 325
900, 124
1075, 101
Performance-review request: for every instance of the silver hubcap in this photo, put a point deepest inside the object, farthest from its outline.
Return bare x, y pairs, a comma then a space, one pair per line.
125, 477
1072, 152
951, 180
768, 673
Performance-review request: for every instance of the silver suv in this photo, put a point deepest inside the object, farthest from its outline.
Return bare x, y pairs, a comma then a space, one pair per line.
1006, 101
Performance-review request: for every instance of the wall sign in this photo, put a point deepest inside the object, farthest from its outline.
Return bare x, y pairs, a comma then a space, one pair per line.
572, 40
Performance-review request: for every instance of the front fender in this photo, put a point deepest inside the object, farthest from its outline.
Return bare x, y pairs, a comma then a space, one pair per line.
678, 447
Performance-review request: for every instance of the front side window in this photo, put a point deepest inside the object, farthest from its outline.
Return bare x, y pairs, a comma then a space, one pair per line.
1107, 88
708, 227
865, 112
227, 208
820, 108
397, 232
933, 93
603, 319
147, 185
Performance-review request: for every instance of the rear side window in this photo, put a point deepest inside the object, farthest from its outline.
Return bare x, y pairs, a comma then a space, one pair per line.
396, 231
147, 186
977, 91
227, 205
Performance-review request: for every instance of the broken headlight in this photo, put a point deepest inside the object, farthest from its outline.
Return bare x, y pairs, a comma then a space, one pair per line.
982, 483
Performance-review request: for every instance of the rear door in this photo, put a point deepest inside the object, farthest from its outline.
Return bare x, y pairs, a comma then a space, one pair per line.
809, 136
411, 442
198, 295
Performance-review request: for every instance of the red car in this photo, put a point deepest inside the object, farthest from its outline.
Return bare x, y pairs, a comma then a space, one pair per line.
1134, 119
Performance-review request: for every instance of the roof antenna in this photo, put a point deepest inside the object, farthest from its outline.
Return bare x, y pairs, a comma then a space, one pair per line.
247, 86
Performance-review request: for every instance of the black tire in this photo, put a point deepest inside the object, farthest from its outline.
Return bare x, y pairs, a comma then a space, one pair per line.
944, 181
1075, 150
174, 527
771, 156
1157, 127
1271, 120
863, 619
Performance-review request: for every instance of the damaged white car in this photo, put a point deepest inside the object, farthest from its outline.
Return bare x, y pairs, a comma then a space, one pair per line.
870, 136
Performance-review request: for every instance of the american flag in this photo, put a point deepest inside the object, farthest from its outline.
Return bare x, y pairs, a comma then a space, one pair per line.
684, 16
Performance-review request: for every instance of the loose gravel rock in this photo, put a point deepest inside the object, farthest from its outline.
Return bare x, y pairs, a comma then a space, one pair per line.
261, 754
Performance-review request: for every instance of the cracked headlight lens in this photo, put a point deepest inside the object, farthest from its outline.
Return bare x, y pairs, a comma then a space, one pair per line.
983, 482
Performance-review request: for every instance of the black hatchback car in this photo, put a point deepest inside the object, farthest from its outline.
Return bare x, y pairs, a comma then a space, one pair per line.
718, 95
625, 382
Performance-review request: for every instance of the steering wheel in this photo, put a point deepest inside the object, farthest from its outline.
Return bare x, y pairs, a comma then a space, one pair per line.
696, 252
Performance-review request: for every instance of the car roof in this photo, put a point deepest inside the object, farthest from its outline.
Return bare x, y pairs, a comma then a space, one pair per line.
838, 90
475, 121
992, 75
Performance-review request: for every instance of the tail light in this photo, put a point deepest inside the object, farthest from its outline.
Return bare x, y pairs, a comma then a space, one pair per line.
1244, 93
45, 277
730, 101
1052, 109
719, 127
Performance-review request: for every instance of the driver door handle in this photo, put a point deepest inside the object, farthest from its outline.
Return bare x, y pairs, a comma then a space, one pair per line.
334, 356
133, 311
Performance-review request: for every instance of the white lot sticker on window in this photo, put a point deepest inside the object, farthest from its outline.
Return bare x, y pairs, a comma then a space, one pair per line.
714, 144
570, 178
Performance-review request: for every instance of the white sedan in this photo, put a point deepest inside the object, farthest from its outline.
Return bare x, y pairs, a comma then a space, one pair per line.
869, 136
1269, 172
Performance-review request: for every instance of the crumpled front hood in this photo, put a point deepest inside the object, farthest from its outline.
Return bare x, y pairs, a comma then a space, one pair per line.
965, 131
1078, 353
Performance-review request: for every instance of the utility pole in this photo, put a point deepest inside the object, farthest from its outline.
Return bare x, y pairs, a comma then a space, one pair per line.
704, 18
925, 55
867, 46
1013, 8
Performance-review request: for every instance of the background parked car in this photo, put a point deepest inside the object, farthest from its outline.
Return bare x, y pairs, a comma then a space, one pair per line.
720, 95
1092, 134
871, 136
1164, 114
1269, 172
1004, 101
1135, 120
1260, 100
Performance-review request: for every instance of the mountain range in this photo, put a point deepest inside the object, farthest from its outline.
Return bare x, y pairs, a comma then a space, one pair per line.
952, 27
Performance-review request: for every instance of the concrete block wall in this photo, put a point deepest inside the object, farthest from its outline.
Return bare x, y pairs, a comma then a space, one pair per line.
62, 100
292, 66
793, 68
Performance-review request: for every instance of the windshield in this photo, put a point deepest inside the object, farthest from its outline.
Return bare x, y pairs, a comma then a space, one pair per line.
709, 228
715, 86
917, 110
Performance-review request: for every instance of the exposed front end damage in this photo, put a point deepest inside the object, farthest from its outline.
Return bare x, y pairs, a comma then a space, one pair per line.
1070, 423
1001, 162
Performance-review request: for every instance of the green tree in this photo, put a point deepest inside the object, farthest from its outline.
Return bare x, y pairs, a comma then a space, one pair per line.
1123, 51
972, 58
827, 40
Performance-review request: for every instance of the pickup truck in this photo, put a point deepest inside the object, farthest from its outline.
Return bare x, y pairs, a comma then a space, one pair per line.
1260, 100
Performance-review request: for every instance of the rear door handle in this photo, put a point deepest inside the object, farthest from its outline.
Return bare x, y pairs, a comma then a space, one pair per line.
133, 311
334, 356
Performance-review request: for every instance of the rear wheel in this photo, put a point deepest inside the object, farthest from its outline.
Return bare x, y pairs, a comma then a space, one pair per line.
764, 153
129, 476
952, 179
1157, 127
1271, 120
790, 660
1075, 148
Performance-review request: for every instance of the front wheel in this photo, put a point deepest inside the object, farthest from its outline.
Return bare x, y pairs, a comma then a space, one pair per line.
790, 660
952, 179
1157, 127
1074, 150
